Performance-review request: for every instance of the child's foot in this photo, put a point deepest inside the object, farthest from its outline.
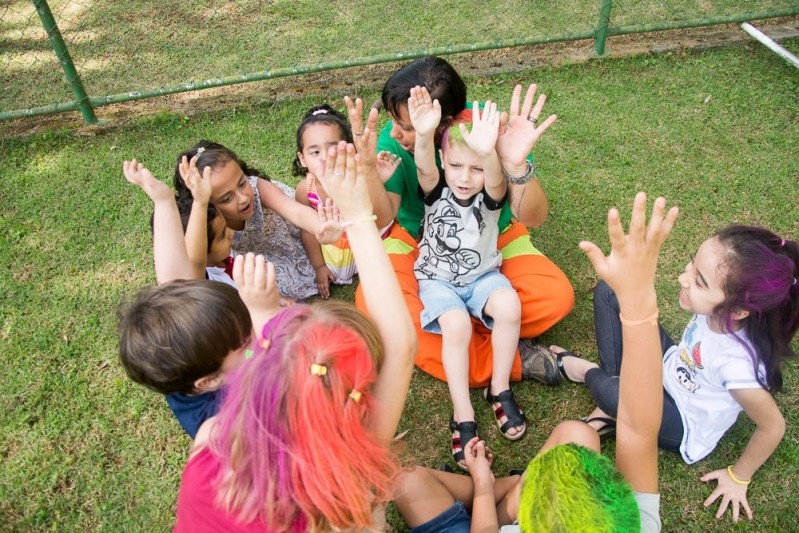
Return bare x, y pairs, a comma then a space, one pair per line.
572, 367
510, 418
462, 432
604, 424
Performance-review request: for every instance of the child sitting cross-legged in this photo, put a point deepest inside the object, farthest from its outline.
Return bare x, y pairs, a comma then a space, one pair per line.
458, 263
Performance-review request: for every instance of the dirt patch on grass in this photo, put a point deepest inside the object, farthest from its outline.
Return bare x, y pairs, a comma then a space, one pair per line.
372, 77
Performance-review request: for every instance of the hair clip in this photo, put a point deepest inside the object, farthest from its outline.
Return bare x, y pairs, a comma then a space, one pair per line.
318, 370
200, 151
320, 112
355, 395
794, 282
248, 354
782, 244
265, 343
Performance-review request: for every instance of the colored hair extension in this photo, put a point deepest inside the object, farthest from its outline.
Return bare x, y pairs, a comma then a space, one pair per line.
760, 277
570, 488
452, 134
321, 114
294, 446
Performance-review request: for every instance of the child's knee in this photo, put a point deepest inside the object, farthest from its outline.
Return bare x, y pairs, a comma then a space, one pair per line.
504, 306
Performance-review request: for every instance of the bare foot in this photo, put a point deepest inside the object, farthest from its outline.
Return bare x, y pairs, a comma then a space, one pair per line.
572, 367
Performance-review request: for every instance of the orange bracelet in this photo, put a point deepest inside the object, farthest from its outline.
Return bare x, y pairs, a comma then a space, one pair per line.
652, 320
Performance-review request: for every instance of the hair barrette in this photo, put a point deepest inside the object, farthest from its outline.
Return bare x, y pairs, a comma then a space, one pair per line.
248, 354
318, 370
320, 112
355, 394
200, 151
265, 343
794, 282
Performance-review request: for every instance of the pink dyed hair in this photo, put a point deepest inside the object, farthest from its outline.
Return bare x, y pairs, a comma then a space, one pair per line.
294, 447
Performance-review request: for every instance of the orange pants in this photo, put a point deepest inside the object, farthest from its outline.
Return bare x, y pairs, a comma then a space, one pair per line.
544, 291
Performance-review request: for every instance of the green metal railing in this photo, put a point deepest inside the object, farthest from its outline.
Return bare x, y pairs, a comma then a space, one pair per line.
86, 104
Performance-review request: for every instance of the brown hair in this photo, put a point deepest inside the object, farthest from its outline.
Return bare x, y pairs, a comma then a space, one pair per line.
174, 334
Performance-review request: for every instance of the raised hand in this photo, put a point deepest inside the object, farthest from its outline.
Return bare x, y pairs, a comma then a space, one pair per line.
257, 285
199, 185
424, 112
331, 228
485, 128
137, 174
387, 164
364, 137
519, 129
632, 261
343, 176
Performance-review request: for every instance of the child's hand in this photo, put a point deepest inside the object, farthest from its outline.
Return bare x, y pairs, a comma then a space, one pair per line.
344, 178
519, 130
387, 164
633, 258
140, 176
485, 129
478, 460
730, 492
324, 277
425, 113
257, 285
199, 185
364, 137
331, 228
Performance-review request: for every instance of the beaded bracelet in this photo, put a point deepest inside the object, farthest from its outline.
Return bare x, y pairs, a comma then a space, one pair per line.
736, 479
652, 320
348, 223
528, 175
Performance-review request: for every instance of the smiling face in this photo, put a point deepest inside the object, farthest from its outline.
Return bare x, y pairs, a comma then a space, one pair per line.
231, 193
316, 139
463, 170
701, 281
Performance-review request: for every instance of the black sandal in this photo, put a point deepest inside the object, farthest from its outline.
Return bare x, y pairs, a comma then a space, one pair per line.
508, 408
608, 430
466, 432
559, 357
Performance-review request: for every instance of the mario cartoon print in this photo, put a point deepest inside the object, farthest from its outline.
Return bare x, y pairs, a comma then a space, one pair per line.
443, 244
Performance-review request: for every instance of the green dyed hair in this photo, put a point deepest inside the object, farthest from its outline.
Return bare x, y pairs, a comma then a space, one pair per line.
571, 489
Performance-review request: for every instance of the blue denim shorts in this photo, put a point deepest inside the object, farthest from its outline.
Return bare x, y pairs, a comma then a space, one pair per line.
438, 297
453, 520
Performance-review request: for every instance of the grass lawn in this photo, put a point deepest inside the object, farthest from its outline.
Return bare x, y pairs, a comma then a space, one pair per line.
85, 449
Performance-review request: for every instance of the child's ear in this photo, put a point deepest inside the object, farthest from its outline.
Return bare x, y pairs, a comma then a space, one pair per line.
208, 383
740, 314
302, 160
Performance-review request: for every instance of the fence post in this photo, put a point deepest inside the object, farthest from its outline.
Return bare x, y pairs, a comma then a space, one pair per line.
60, 49
601, 33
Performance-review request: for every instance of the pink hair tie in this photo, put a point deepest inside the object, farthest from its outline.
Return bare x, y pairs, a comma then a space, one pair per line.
782, 244
320, 112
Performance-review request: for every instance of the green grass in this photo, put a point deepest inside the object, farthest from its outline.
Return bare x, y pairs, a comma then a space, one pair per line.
119, 47
85, 449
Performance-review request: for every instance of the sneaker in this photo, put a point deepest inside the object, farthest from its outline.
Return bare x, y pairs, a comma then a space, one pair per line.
538, 362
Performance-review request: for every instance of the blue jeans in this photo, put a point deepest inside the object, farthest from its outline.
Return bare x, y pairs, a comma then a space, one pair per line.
603, 382
453, 520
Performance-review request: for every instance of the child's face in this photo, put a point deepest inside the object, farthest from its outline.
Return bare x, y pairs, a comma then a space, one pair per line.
402, 129
316, 139
701, 281
219, 249
463, 170
231, 192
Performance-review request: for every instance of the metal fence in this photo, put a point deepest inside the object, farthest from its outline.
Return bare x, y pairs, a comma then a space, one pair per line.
54, 56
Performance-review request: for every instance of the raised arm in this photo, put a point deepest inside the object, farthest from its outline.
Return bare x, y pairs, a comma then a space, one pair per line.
169, 250
196, 237
257, 285
732, 487
482, 140
630, 271
519, 132
346, 184
385, 204
425, 114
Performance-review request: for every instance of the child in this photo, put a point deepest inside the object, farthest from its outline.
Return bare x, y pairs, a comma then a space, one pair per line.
569, 486
301, 442
545, 293
321, 128
741, 288
458, 263
190, 378
261, 212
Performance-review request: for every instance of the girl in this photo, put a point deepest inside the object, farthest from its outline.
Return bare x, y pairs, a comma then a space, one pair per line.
569, 486
545, 293
741, 288
321, 128
255, 208
301, 440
